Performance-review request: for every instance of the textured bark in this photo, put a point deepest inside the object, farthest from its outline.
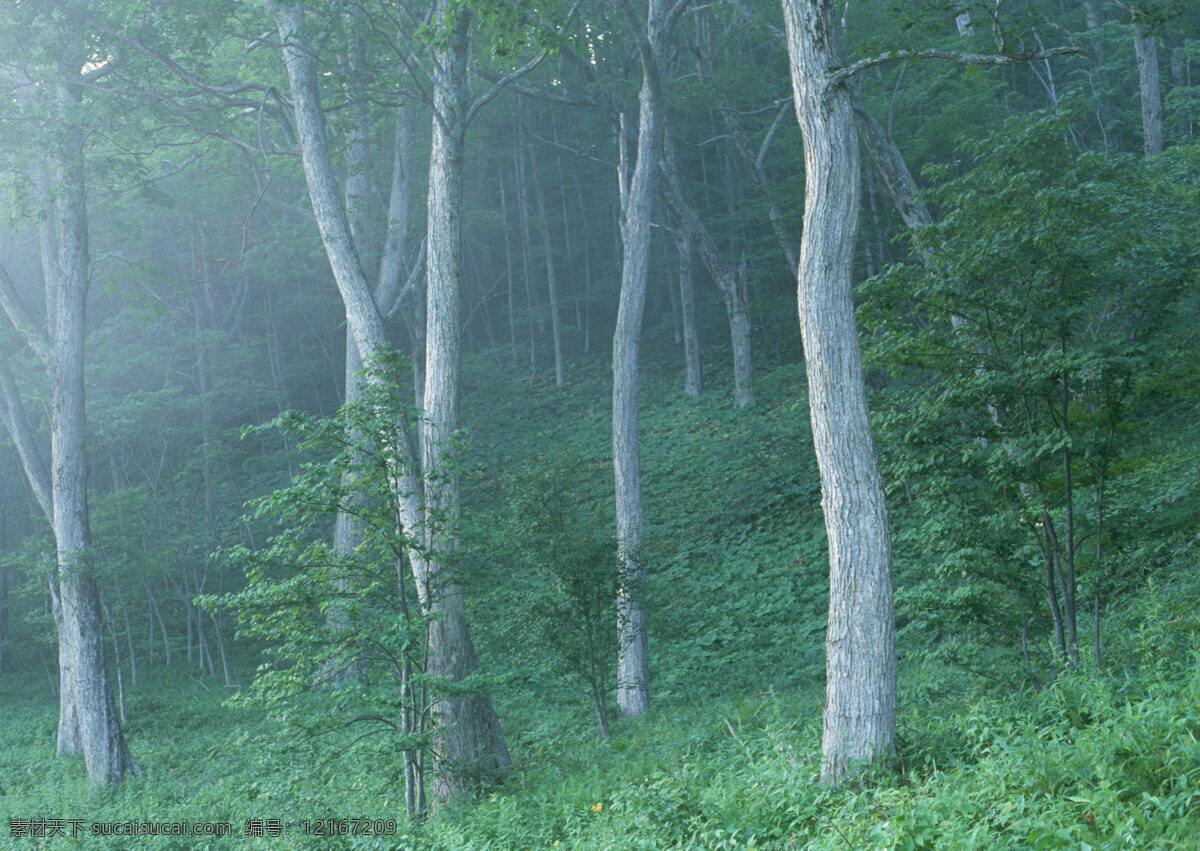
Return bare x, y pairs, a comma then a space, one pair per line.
81, 642
633, 660
897, 179
859, 720
1145, 46
348, 528
468, 743
88, 721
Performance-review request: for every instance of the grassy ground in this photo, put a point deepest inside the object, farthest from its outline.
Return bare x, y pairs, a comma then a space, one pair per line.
727, 757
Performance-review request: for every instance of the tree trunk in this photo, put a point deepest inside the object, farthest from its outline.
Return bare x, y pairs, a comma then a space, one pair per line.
468, 745
91, 725
693, 381
1145, 46
637, 196
3, 618
725, 275
88, 721
859, 720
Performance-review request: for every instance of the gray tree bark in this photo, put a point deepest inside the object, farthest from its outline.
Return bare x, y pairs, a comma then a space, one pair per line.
468, 743
859, 720
693, 382
1145, 46
637, 196
88, 720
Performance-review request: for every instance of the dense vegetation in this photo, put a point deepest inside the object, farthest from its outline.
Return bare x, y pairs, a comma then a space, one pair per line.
1029, 327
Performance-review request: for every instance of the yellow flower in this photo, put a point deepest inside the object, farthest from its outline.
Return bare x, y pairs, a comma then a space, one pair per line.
556, 843
597, 807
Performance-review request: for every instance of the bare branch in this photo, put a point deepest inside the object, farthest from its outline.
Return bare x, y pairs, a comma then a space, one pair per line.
21, 318
516, 74
840, 75
12, 412
413, 277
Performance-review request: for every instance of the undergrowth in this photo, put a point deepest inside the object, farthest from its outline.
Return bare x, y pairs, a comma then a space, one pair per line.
1094, 758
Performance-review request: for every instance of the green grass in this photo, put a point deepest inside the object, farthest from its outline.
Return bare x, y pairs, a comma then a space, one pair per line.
728, 755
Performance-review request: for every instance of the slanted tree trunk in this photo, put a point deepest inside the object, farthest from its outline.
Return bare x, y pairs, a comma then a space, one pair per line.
728, 277
859, 720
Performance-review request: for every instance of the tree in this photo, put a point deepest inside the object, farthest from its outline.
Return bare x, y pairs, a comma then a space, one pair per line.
859, 721
1145, 46
469, 745
88, 721
319, 606
637, 196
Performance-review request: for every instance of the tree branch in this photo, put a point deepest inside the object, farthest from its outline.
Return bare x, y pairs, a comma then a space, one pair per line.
840, 75
12, 412
517, 73
21, 318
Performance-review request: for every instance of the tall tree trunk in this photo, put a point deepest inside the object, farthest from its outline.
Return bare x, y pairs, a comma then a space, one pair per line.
859, 720
88, 720
348, 528
468, 744
3, 589
92, 726
1145, 46
637, 196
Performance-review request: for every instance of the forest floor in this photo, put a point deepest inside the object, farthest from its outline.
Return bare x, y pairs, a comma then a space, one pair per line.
727, 757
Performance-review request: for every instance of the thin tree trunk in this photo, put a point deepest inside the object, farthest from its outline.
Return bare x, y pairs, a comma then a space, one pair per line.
112, 632
725, 275
637, 195
133, 677
535, 324
551, 281
693, 382
508, 268
859, 720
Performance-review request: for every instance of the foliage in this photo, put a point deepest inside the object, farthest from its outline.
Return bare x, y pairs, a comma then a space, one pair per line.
344, 623
1021, 357
569, 604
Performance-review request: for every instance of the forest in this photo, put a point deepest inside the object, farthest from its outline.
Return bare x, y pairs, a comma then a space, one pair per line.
600, 424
